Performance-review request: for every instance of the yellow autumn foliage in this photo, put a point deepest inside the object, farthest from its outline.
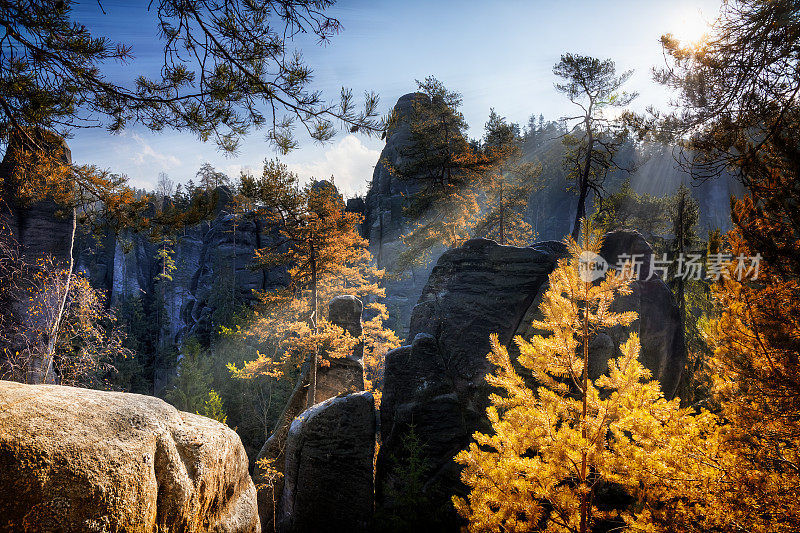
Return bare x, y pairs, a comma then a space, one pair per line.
560, 450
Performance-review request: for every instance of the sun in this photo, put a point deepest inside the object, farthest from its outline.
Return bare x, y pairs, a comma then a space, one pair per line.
690, 27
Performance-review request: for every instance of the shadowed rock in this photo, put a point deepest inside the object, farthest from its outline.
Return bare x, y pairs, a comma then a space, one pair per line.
329, 467
343, 375
436, 384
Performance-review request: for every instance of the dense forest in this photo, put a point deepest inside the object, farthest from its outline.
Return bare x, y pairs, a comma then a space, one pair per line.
577, 323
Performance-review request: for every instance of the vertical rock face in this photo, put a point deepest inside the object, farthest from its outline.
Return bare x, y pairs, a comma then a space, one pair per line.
221, 278
41, 227
659, 325
211, 275
384, 223
343, 374
436, 384
329, 457
82, 460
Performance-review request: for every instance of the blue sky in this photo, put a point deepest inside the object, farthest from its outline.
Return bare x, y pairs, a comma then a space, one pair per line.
497, 54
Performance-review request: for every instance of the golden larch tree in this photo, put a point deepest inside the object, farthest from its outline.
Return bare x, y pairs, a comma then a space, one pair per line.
555, 445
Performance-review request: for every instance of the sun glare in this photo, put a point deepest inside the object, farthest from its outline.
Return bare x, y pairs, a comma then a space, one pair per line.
691, 26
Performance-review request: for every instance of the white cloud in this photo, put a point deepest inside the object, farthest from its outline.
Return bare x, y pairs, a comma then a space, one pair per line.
349, 161
233, 170
146, 155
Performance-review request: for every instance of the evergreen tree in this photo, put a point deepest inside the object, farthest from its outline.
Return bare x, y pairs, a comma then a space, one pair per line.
460, 189
140, 339
441, 167
213, 407
319, 244
627, 209
210, 179
692, 296
506, 185
436, 156
191, 386
594, 86
557, 447
227, 69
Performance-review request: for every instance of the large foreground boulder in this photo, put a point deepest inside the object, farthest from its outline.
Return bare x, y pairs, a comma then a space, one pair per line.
83, 460
434, 387
329, 467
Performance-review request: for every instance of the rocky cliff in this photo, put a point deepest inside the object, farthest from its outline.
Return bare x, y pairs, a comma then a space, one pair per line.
211, 260
434, 386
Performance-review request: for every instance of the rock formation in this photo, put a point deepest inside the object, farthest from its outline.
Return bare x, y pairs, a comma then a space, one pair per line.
41, 226
329, 467
82, 460
384, 222
436, 385
211, 260
342, 376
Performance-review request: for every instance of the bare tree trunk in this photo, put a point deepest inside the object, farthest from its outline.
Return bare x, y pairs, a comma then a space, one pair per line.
681, 250
233, 277
312, 391
502, 216
53, 335
584, 190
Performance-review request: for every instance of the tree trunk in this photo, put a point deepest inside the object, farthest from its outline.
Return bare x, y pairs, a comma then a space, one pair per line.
583, 185
53, 336
312, 390
681, 250
502, 216
584, 432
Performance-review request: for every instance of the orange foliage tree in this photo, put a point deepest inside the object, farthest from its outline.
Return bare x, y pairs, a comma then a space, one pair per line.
743, 116
318, 242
